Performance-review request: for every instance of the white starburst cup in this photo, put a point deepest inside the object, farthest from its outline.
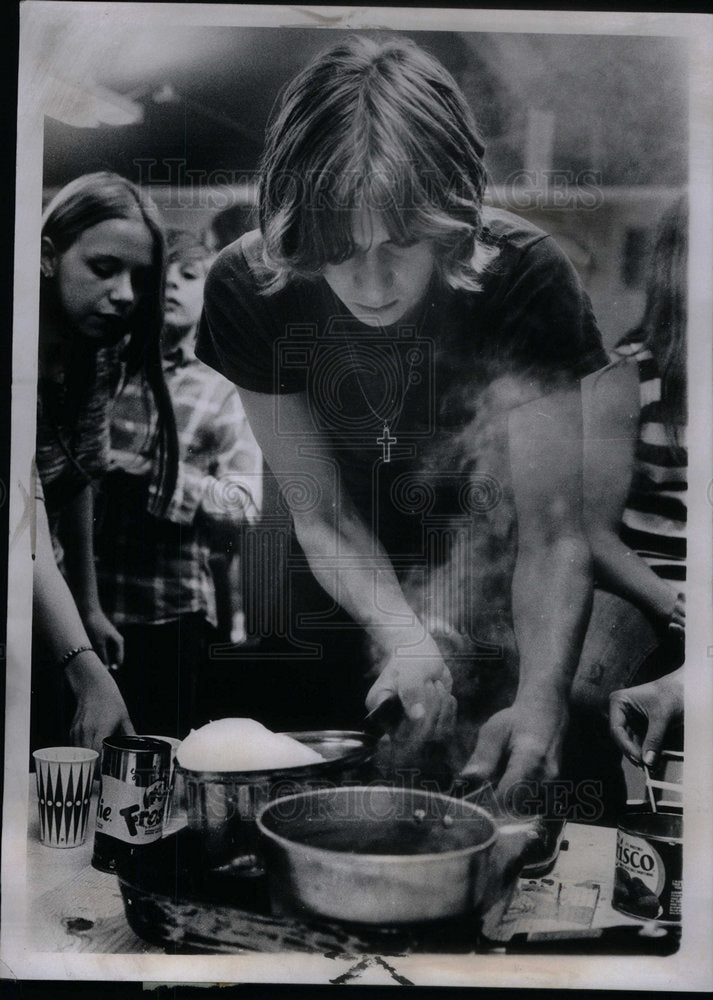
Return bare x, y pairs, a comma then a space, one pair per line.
64, 786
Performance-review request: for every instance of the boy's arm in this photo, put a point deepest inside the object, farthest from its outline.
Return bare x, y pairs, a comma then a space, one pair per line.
551, 592
344, 555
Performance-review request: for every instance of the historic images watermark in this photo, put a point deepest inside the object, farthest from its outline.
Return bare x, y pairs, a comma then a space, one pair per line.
215, 190
402, 800
525, 190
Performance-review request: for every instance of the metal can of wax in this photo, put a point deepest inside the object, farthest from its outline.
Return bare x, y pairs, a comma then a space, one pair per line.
134, 783
647, 876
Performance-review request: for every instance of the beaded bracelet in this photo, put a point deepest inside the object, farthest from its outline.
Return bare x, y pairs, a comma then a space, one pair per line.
70, 655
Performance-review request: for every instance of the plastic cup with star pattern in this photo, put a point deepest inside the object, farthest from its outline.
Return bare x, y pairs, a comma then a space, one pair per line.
64, 786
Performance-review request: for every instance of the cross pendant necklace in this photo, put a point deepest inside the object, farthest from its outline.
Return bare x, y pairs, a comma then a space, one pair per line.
385, 440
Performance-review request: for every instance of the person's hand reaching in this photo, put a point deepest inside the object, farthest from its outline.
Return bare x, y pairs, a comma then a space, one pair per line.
410, 674
639, 717
100, 710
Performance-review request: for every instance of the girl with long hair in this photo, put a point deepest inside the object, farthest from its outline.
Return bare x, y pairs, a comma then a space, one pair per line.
635, 479
101, 286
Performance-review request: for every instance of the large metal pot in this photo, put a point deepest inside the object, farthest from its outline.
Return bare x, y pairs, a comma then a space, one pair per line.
378, 855
221, 805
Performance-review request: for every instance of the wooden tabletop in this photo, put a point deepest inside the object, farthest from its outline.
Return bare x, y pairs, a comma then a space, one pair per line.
75, 908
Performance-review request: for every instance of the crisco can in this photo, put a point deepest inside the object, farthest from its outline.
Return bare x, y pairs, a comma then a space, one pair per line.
134, 782
649, 862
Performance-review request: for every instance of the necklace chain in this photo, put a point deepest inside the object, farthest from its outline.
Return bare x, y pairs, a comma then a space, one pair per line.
385, 440
405, 388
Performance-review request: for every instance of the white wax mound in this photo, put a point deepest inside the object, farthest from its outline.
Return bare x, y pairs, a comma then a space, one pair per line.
241, 745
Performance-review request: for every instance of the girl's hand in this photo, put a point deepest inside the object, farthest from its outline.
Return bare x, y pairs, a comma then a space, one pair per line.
100, 710
105, 639
639, 717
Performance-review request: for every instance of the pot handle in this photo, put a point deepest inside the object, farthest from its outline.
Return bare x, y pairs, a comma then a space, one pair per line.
542, 835
479, 793
515, 838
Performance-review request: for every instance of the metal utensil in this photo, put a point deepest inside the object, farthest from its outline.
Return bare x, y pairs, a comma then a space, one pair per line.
362, 855
649, 788
221, 805
385, 717
358, 854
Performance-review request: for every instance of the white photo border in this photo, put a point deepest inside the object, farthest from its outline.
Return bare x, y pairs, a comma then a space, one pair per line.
689, 969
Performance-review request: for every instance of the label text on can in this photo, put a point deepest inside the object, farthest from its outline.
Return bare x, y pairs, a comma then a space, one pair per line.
131, 813
647, 877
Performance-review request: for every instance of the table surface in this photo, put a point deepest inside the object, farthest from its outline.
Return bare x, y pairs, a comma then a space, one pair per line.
74, 907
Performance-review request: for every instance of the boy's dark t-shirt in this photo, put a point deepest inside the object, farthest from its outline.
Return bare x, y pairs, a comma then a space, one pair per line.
462, 358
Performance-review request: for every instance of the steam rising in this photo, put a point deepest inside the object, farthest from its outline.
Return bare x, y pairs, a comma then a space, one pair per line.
463, 598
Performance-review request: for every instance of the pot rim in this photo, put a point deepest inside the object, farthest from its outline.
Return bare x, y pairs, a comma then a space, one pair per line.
400, 859
362, 753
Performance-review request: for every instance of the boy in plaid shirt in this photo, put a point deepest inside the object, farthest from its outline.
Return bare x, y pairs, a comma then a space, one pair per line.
154, 574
